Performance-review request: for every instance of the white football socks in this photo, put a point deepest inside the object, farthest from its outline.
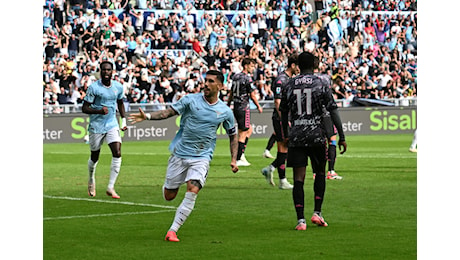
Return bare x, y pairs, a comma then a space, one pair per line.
114, 170
183, 211
91, 170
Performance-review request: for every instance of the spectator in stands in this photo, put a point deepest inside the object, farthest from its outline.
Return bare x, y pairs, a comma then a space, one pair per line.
129, 29
117, 28
62, 96
49, 51
197, 47
158, 102
210, 58
383, 79
73, 46
48, 21
334, 12
392, 44
75, 97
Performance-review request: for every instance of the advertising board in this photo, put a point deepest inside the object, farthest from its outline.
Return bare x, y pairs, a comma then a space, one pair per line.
70, 128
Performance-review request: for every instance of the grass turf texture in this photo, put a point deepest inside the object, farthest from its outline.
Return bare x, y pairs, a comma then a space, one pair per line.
372, 212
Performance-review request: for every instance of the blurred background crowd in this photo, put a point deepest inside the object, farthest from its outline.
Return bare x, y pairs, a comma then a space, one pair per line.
162, 49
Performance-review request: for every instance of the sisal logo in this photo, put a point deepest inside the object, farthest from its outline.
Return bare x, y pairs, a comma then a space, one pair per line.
80, 127
384, 120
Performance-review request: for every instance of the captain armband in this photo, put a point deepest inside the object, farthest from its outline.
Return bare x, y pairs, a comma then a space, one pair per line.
231, 131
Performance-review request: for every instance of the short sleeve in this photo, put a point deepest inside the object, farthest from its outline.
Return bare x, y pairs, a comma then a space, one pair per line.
181, 105
90, 95
121, 94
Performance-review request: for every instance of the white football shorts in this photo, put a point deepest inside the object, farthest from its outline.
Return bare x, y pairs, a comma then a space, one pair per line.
96, 140
181, 170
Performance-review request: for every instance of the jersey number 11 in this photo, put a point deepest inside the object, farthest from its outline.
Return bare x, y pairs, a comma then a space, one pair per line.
307, 93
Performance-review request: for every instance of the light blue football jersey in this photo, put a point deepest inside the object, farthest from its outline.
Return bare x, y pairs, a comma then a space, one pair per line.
197, 136
99, 96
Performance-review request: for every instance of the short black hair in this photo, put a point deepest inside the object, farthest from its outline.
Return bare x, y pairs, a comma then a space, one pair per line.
218, 74
106, 62
293, 59
306, 61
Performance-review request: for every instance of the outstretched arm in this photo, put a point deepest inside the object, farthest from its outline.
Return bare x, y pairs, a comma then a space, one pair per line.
157, 115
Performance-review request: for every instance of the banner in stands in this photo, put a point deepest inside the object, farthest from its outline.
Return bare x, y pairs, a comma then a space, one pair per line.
71, 128
334, 31
173, 53
230, 15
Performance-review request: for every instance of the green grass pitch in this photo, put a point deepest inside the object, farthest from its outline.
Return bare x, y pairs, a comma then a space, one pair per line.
372, 212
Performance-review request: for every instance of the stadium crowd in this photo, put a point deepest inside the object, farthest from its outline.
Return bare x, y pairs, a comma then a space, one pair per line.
374, 54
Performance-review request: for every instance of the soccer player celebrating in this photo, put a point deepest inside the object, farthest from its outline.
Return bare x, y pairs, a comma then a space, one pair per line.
301, 107
193, 146
279, 163
243, 89
101, 102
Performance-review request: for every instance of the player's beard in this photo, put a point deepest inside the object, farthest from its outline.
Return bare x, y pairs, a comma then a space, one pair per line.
106, 79
209, 94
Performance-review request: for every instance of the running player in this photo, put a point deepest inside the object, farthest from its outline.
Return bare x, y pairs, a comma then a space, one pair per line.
193, 146
101, 102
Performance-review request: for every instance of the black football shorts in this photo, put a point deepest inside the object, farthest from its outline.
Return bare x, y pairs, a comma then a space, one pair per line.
243, 118
298, 157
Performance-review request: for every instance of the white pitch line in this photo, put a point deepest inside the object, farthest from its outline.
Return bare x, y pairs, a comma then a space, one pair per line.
107, 215
377, 156
108, 152
349, 155
113, 202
